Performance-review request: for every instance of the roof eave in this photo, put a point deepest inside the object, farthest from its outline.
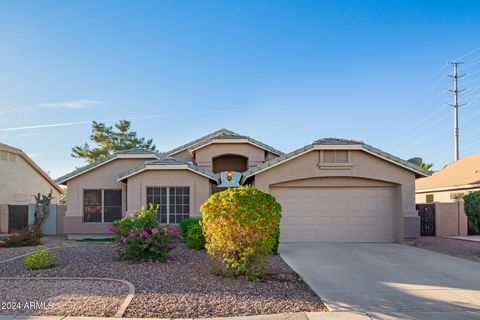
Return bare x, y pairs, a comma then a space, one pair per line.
354, 146
147, 167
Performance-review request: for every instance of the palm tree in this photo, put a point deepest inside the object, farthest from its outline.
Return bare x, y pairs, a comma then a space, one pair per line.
426, 166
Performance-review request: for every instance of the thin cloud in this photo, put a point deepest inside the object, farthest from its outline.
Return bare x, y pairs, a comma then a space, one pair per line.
67, 124
28, 135
71, 104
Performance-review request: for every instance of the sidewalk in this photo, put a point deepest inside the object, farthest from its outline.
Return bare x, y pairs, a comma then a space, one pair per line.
283, 316
466, 238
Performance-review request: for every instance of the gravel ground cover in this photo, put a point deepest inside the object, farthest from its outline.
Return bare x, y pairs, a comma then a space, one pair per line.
184, 288
61, 297
48, 241
469, 250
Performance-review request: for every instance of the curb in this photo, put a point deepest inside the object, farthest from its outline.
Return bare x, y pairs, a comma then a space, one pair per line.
282, 316
121, 310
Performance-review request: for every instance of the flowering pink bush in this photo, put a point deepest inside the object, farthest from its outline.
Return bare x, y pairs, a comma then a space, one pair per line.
140, 237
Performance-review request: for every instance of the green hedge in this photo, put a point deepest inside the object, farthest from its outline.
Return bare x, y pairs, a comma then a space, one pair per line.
195, 238
186, 224
472, 208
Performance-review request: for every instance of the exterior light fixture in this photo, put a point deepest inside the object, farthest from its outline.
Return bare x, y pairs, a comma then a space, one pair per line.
229, 176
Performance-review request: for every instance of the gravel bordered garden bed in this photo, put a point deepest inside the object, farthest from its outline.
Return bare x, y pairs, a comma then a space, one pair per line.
185, 288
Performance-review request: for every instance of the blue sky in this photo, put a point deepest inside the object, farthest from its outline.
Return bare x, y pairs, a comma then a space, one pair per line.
283, 72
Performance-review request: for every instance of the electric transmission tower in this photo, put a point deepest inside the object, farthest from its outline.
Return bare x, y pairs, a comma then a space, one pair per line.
455, 105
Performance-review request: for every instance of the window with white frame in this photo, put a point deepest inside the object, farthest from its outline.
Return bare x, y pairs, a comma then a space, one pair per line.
173, 202
102, 205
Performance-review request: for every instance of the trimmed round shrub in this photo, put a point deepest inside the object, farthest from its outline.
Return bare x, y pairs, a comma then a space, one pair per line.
186, 224
472, 208
195, 238
240, 227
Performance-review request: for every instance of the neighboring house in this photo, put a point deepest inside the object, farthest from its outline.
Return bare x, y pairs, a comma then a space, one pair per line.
330, 190
21, 179
446, 189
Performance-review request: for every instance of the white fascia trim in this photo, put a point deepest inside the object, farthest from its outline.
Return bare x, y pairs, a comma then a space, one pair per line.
276, 164
335, 147
395, 162
164, 167
118, 156
136, 156
360, 147
465, 186
226, 141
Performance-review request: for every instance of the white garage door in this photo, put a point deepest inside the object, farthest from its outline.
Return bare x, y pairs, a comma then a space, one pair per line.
336, 214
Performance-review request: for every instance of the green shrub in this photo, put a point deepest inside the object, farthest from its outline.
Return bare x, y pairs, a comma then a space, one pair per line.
40, 259
472, 208
27, 237
240, 227
277, 241
140, 237
186, 224
195, 238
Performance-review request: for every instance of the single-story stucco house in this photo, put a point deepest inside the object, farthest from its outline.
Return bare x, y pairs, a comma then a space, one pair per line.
331, 190
21, 179
446, 188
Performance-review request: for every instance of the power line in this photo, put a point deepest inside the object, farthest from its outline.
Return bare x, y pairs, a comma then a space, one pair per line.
467, 54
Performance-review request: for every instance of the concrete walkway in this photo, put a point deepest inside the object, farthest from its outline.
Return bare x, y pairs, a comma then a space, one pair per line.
388, 281
466, 238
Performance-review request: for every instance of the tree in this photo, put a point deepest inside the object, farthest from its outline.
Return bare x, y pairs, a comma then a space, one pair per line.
109, 140
471, 204
426, 166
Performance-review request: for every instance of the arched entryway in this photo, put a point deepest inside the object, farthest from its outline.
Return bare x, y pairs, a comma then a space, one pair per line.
229, 162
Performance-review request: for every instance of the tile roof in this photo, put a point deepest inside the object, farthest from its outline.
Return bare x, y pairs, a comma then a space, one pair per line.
465, 171
208, 136
104, 160
221, 134
236, 136
167, 161
334, 141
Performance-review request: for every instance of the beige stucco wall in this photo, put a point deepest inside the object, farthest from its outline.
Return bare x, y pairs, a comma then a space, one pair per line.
365, 166
20, 182
441, 196
204, 156
137, 187
450, 219
102, 177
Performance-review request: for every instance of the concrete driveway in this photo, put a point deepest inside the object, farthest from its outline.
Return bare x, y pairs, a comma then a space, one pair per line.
388, 281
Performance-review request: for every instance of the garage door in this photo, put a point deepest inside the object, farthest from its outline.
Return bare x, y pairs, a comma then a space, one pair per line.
336, 214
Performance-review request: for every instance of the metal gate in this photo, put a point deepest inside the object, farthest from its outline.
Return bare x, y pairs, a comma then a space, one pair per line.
427, 219
17, 218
